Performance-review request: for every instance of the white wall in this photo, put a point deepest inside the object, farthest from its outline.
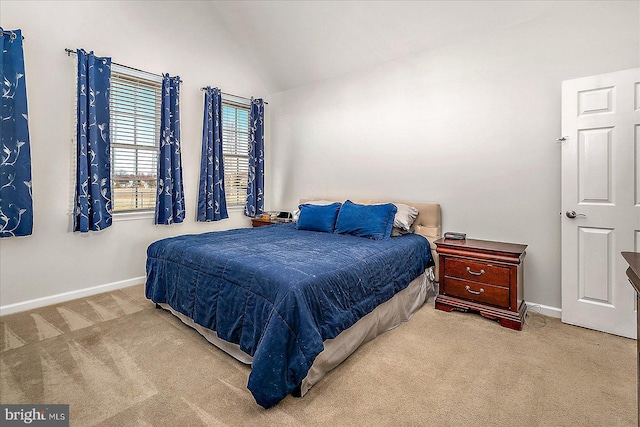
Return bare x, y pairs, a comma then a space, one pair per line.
471, 126
155, 36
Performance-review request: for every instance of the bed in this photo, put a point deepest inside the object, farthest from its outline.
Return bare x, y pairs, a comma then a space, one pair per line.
293, 303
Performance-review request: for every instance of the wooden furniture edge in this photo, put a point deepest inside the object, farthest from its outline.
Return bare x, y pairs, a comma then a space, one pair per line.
509, 319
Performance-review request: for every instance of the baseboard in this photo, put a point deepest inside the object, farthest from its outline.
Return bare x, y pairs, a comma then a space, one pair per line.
544, 309
86, 292
68, 296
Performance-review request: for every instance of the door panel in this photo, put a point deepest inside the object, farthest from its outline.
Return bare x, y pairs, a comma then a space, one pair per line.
600, 183
594, 165
594, 259
595, 101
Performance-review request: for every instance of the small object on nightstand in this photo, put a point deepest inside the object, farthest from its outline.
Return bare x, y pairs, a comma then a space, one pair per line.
482, 276
452, 235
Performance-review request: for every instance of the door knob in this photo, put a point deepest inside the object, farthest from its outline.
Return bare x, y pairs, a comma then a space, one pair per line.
573, 214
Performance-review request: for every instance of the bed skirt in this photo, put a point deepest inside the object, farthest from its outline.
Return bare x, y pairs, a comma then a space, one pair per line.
385, 317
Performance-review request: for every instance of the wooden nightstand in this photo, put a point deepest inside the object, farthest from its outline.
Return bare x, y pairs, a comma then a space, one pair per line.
259, 222
482, 276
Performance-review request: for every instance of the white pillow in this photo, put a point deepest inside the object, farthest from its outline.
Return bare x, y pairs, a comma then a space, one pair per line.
405, 216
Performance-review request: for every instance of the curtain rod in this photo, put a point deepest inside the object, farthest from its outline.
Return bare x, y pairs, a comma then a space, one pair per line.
11, 34
236, 96
71, 51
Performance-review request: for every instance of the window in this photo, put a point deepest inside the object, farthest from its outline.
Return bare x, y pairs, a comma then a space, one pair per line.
235, 150
135, 126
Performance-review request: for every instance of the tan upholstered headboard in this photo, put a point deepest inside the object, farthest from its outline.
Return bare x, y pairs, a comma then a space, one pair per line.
428, 223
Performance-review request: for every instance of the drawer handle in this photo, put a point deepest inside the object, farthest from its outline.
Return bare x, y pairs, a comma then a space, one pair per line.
471, 291
475, 273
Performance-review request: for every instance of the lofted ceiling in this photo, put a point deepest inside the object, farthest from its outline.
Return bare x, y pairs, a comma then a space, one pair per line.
295, 43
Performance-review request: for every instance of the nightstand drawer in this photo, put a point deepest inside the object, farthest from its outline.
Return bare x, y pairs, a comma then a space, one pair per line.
257, 222
479, 292
477, 271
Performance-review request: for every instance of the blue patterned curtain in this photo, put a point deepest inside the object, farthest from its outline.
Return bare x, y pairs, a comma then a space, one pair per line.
255, 185
170, 200
16, 203
212, 203
93, 169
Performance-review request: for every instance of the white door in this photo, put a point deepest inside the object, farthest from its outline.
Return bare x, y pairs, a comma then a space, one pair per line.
600, 199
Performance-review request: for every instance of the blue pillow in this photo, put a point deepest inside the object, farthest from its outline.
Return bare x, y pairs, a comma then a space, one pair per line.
318, 217
372, 221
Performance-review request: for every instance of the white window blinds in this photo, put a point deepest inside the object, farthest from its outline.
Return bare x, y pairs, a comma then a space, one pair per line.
235, 149
135, 124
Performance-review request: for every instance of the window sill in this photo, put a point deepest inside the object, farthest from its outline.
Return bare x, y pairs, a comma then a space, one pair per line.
131, 216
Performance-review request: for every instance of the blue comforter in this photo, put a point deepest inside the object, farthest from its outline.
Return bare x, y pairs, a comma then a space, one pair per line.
280, 292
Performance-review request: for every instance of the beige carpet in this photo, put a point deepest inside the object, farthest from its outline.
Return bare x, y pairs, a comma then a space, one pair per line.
118, 361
